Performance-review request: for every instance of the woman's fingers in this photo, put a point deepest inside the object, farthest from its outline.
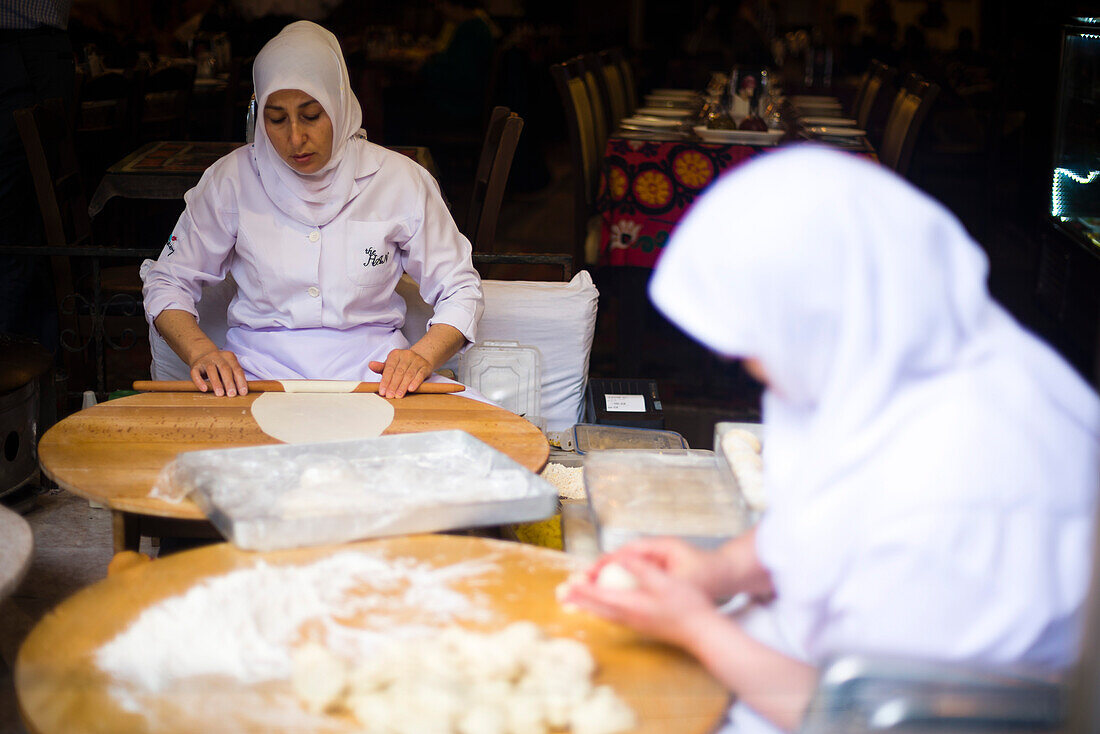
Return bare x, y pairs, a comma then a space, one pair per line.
222, 372
403, 370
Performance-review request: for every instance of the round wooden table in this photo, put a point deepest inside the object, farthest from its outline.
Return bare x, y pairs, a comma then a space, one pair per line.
16, 550
61, 690
113, 452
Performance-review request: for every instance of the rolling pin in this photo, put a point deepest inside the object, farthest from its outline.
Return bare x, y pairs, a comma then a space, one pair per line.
327, 386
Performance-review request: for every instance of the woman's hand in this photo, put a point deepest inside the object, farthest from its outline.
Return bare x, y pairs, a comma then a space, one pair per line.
663, 606
402, 372
699, 568
225, 374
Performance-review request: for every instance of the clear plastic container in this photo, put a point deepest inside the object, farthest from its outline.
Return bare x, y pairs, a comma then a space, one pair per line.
592, 437
634, 494
291, 495
508, 373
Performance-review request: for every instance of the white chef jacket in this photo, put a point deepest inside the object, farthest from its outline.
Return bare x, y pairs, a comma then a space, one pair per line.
318, 302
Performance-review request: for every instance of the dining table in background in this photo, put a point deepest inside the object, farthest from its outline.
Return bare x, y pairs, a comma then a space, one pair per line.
648, 181
167, 169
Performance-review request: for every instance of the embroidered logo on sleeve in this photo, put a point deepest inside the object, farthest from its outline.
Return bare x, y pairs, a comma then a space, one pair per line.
374, 259
170, 247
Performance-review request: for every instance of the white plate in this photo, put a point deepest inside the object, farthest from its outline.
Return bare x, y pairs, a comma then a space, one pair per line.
650, 122
661, 112
679, 102
838, 132
675, 92
746, 137
830, 121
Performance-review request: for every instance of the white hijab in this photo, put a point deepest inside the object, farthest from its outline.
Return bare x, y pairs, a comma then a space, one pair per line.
306, 57
865, 302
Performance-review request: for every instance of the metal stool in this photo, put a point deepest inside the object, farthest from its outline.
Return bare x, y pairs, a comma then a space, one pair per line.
22, 363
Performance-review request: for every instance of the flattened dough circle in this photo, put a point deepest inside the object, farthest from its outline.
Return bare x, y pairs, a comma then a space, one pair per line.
317, 417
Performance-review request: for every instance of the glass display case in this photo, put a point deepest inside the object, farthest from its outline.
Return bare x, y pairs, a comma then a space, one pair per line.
1075, 179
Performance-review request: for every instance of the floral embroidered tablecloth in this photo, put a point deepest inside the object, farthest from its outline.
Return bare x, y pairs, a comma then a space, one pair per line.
645, 188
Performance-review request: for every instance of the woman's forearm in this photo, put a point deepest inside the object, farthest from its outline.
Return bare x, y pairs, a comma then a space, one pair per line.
182, 332
737, 569
440, 344
776, 686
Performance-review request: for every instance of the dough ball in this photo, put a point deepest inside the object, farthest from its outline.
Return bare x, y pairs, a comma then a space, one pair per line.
614, 576
373, 711
483, 718
524, 715
318, 677
562, 591
746, 462
602, 713
735, 436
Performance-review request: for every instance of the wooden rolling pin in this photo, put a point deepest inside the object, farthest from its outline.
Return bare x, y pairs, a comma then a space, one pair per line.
433, 388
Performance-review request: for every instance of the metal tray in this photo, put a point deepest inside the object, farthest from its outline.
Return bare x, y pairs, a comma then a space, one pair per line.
634, 494
292, 495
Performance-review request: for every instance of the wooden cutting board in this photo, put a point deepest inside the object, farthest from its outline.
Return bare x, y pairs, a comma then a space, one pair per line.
61, 691
113, 452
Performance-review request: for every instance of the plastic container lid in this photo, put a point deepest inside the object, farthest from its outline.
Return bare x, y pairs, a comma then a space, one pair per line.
507, 373
592, 437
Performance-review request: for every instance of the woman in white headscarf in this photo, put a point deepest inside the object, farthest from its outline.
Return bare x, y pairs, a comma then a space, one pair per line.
931, 467
316, 225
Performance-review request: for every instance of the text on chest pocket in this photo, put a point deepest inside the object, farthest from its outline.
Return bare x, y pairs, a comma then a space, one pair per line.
371, 259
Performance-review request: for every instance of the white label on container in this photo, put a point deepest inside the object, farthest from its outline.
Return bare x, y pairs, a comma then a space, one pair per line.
625, 403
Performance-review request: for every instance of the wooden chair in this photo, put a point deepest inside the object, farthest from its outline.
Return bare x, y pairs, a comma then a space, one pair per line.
615, 57
586, 153
596, 79
880, 81
165, 103
48, 142
491, 177
597, 98
617, 93
907, 115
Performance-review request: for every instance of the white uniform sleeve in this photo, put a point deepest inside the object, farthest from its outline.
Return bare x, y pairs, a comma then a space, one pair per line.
438, 257
197, 254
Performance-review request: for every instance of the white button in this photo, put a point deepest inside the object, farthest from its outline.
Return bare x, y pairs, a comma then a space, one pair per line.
314, 291
314, 235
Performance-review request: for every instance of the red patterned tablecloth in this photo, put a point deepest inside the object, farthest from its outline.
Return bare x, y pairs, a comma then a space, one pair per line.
645, 188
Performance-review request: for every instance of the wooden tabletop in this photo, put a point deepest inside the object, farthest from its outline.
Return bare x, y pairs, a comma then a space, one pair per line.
16, 550
60, 689
113, 452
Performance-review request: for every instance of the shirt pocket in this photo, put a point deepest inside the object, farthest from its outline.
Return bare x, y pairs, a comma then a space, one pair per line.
371, 257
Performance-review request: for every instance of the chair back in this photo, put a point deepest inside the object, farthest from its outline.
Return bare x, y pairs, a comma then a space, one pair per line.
864, 83
616, 58
105, 125
594, 71
165, 103
880, 79
616, 90
596, 96
48, 142
907, 115
491, 177
569, 79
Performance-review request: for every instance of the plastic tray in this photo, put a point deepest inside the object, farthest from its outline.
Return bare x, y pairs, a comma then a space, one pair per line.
635, 494
720, 430
592, 437
291, 495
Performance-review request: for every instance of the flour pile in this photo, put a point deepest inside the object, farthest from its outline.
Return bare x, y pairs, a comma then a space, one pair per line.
244, 624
